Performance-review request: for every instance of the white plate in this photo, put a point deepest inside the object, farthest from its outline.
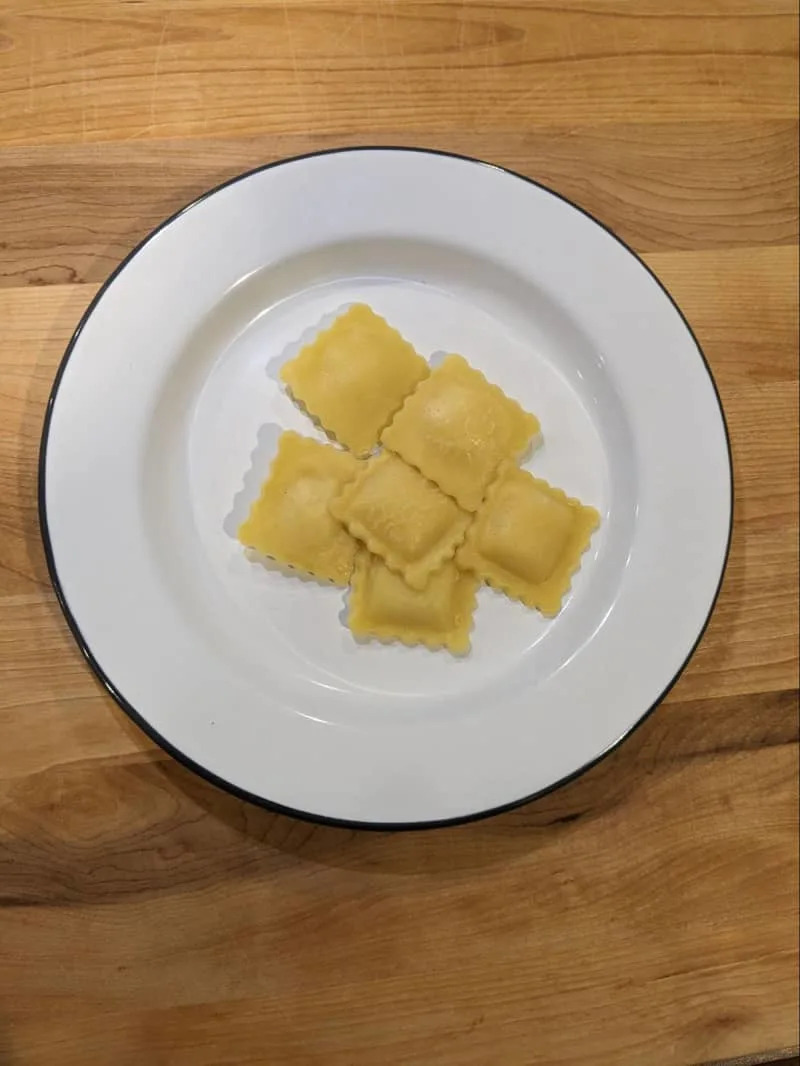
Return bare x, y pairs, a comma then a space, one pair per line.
164, 413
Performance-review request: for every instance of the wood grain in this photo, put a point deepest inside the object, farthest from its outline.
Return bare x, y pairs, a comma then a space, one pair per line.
157, 68
646, 913
660, 186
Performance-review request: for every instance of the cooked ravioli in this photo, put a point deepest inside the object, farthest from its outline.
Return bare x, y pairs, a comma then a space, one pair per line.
291, 522
424, 500
353, 377
528, 539
383, 606
401, 517
457, 428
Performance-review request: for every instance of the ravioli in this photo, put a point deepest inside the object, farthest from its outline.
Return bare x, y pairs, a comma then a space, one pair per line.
422, 499
291, 522
527, 540
456, 428
401, 517
353, 377
383, 606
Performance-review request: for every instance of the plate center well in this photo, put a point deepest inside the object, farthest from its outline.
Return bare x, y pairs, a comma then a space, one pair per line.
217, 422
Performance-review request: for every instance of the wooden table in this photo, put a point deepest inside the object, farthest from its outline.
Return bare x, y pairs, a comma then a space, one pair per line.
644, 915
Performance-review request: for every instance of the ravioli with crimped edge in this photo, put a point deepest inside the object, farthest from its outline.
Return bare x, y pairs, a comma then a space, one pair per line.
353, 377
401, 517
383, 607
457, 428
290, 521
414, 526
528, 538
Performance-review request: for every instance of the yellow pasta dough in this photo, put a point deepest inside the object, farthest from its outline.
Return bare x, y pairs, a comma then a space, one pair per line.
528, 539
382, 605
353, 377
415, 528
401, 517
291, 521
457, 428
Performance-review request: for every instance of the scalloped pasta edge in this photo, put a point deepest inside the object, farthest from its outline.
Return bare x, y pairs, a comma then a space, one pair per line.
469, 558
319, 424
416, 574
456, 640
532, 440
285, 567
437, 560
316, 418
489, 384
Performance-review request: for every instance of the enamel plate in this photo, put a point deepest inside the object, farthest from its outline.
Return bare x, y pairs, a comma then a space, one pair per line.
164, 416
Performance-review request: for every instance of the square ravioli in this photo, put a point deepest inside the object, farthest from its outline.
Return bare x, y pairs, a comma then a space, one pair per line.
527, 540
401, 517
457, 428
290, 521
382, 605
354, 376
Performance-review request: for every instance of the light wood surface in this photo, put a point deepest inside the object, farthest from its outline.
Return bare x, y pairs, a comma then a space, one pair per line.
645, 915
